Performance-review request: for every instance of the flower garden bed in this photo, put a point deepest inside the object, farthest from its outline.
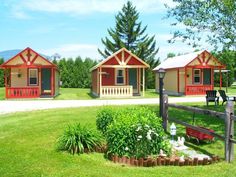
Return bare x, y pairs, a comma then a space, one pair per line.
163, 161
133, 137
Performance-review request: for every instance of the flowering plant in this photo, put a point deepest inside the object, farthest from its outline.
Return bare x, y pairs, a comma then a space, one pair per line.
136, 132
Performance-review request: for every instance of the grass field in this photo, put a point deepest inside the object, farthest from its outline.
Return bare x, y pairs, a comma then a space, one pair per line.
2, 93
28, 148
84, 94
81, 94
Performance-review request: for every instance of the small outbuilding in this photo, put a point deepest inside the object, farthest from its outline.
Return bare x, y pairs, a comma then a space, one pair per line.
190, 74
120, 75
30, 75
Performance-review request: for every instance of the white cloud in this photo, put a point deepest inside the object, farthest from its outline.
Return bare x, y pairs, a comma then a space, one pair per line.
78, 7
74, 50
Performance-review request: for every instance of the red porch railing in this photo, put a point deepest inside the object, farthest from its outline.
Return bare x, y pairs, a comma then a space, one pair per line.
22, 92
198, 89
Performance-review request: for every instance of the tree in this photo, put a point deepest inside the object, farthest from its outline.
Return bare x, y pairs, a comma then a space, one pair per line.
128, 33
1, 74
215, 18
75, 73
171, 55
227, 57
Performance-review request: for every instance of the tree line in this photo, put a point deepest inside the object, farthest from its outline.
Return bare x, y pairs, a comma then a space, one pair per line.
75, 73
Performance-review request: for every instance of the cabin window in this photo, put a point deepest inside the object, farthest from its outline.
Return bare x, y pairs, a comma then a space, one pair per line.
197, 76
33, 76
120, 76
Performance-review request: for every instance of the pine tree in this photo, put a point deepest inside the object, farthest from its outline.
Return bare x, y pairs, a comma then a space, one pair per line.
129, 33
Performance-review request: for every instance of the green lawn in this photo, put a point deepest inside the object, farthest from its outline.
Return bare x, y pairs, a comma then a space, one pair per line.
27, 148
74, 94
84, 94
2, 93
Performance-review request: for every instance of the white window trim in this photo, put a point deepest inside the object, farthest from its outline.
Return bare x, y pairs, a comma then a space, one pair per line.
123, 76
198, 76
36, 77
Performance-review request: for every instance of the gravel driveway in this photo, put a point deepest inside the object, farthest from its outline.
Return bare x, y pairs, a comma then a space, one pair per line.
10, 106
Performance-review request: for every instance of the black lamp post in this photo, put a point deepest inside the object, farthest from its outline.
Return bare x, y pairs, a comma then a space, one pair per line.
161, 72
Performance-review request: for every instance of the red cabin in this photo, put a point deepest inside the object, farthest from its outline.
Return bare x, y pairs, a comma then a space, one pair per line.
120, 75
30, 75
190, 74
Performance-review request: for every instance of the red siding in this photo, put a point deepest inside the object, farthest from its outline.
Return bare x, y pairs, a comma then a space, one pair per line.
134, 61
94, 81
112, 61
109, 78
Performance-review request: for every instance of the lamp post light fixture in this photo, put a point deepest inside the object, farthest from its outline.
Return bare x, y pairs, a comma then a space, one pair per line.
161, 73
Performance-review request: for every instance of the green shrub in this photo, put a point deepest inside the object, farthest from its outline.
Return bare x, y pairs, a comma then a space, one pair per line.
136, 132
76, 139
105, 118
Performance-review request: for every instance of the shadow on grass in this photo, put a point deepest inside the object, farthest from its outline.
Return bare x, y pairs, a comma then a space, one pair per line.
92, 95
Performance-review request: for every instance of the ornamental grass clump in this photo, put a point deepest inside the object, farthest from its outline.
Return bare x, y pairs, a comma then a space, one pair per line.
136, 132
77, 139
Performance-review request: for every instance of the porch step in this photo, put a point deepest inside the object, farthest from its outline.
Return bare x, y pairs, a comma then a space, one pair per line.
46, 96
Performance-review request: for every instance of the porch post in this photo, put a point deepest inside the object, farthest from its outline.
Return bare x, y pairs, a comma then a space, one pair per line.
143, 82
178, 80
212, 78
51, 81
185, 80
220, 79
5, 82
100, 81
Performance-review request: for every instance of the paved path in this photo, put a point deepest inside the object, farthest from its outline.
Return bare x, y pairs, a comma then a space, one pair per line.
10, 106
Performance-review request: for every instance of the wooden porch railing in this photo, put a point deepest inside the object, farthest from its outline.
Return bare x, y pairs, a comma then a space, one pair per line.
198, 89
22, 92
116, 91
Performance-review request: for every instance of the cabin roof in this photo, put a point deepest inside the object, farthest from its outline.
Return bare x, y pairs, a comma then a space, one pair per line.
25, 60
178, 61
115, 55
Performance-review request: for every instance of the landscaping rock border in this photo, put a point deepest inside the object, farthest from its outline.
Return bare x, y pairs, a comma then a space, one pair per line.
163, 161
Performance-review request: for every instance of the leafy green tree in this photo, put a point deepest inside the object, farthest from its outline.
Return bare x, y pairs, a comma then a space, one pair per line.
227, 57
129, 33
216, 18
1, 74
75, 73
171, 55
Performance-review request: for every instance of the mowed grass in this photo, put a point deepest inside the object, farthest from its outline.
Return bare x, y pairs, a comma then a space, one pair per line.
28, 148
84, 94
74, 94
2, 93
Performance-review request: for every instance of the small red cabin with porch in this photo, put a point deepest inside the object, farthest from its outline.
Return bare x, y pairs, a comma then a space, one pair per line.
190, 74
30, 75
120, 75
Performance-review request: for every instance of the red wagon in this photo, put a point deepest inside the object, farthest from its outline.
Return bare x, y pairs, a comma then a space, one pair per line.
199, 135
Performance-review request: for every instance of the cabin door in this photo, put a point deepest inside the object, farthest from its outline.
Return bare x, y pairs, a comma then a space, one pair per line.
206, 76
133, 79
46, 81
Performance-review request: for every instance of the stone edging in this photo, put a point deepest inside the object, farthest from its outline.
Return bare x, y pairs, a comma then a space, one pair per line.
163, 161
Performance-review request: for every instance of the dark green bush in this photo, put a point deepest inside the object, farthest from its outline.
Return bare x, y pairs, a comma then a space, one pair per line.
105, 118
136, 132
76, 139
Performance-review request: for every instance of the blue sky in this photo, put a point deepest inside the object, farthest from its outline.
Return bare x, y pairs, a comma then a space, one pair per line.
75, 27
